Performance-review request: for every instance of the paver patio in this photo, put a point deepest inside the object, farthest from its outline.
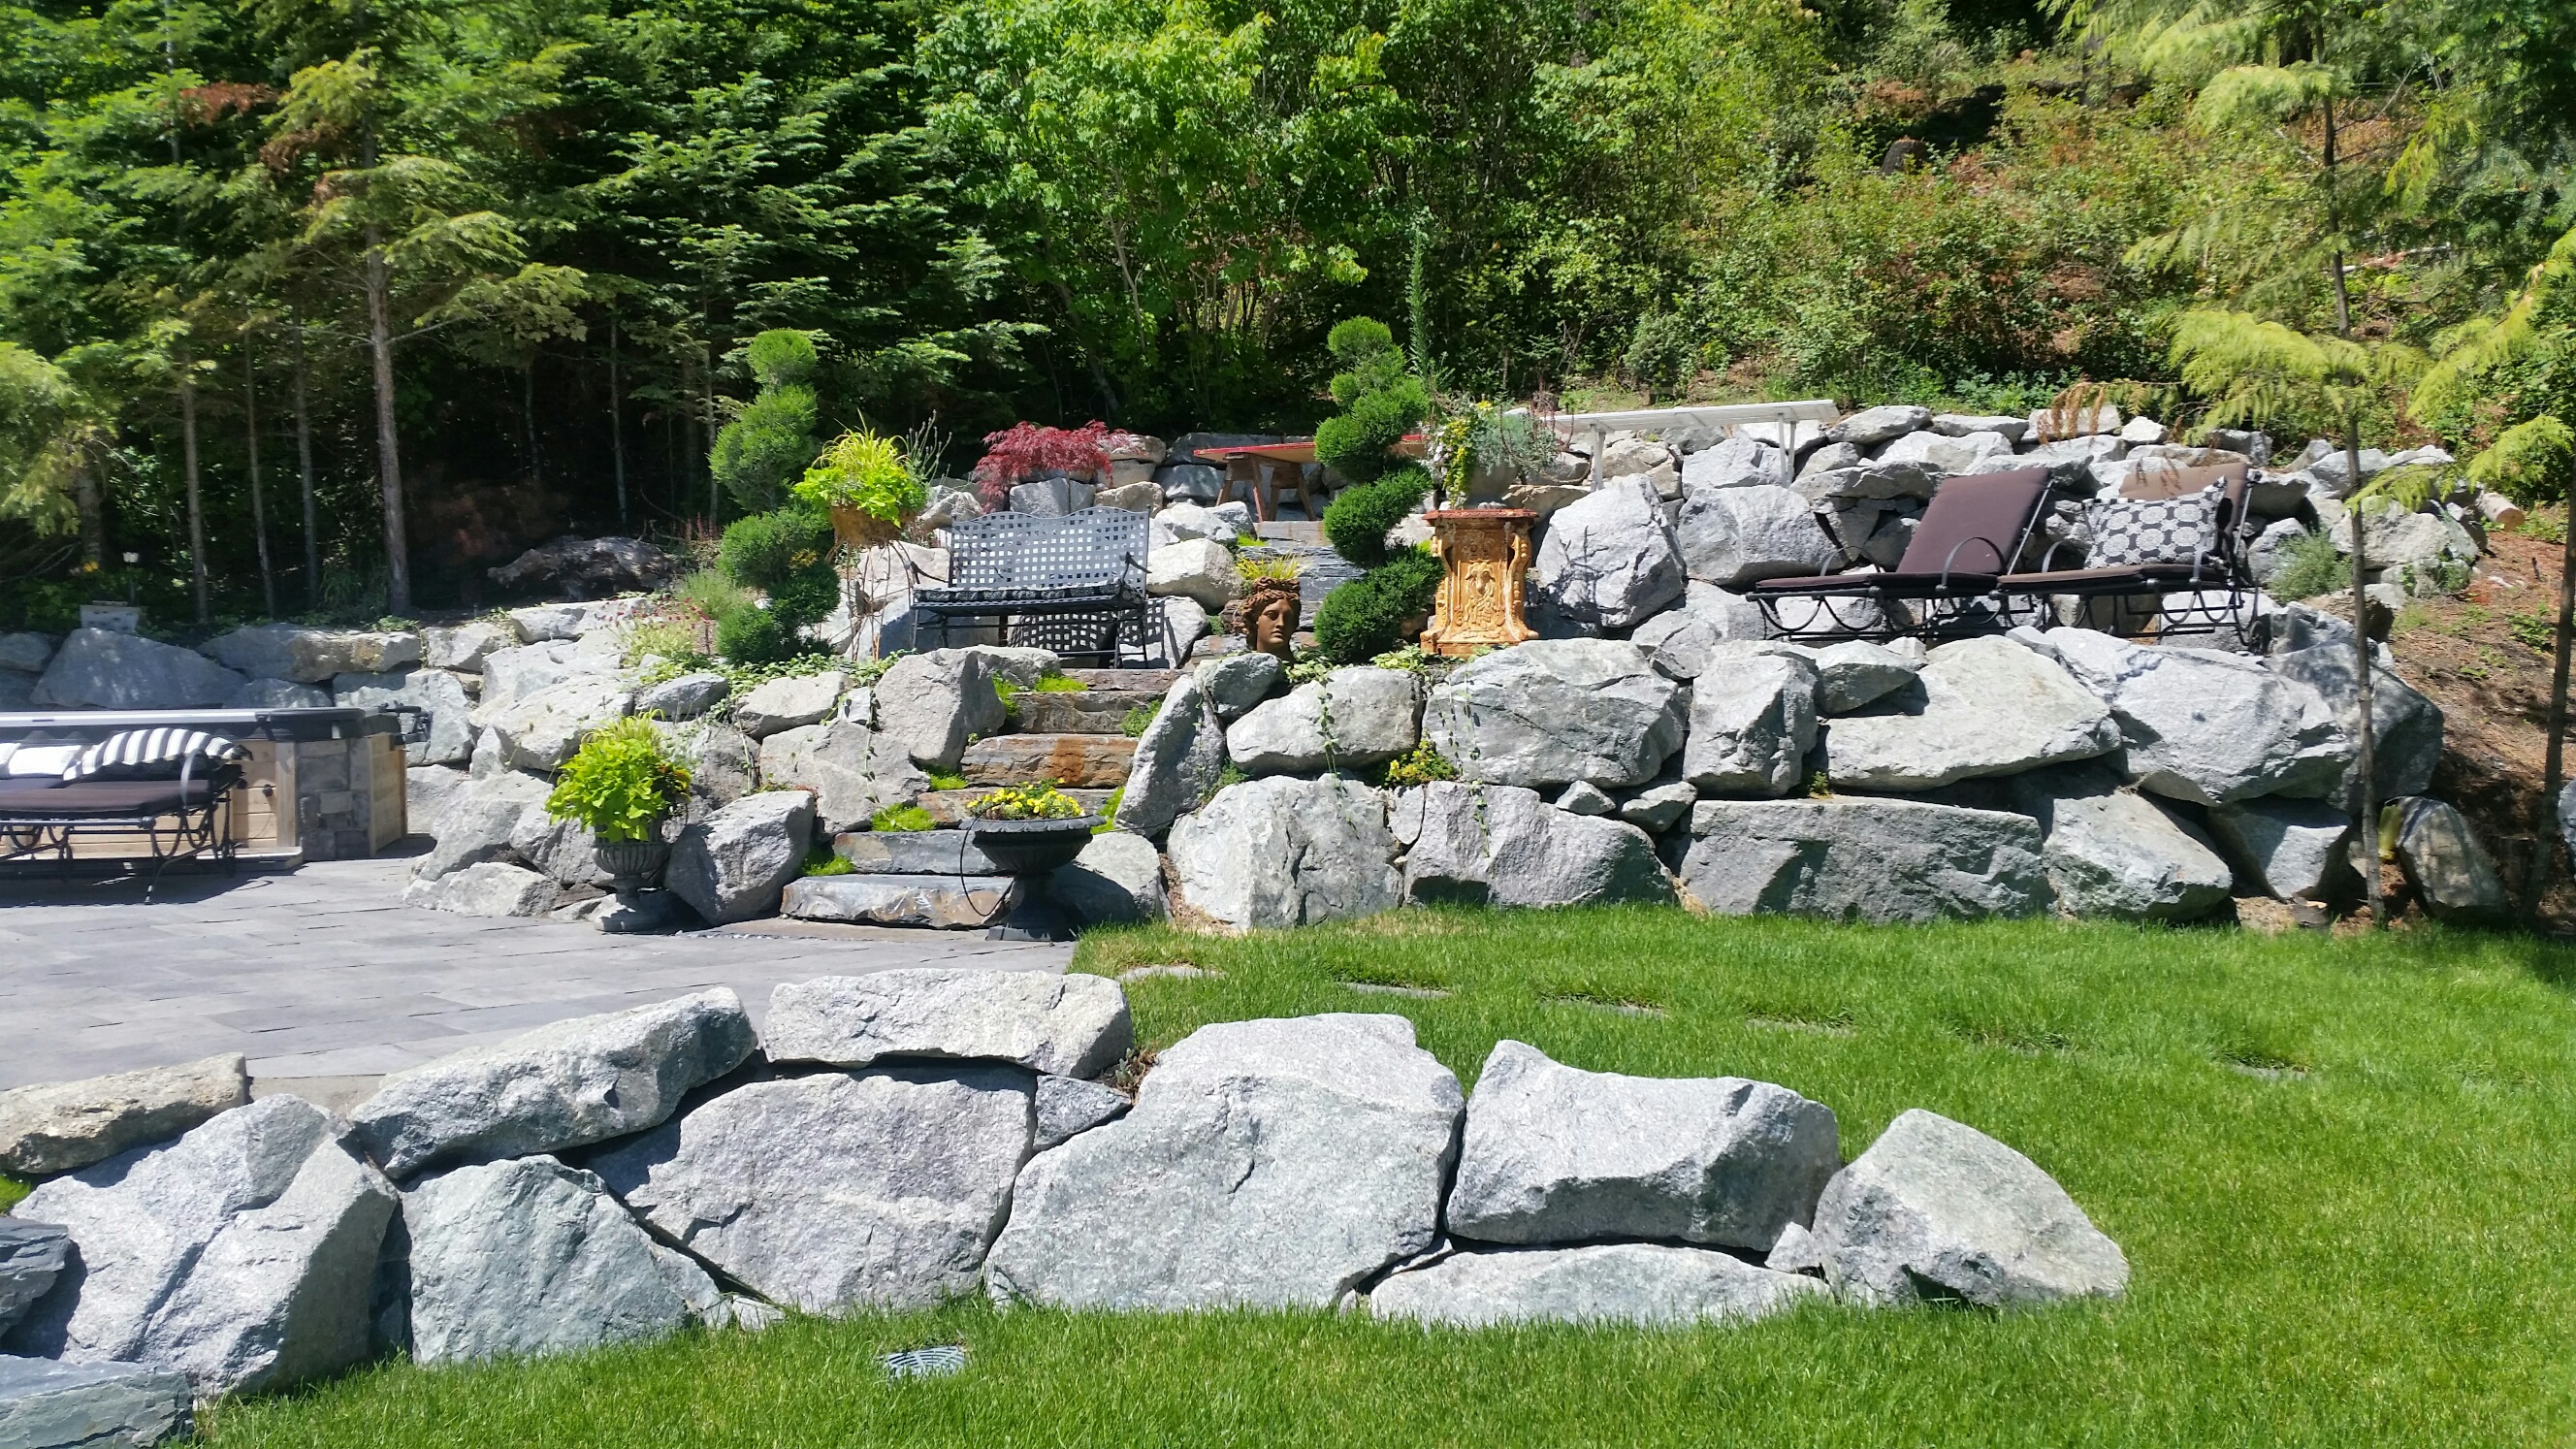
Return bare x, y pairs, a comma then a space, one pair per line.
321, 972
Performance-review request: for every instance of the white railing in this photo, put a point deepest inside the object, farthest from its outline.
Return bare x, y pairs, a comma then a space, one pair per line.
1785, 416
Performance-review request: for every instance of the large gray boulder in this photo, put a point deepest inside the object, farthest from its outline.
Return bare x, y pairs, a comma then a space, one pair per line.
564, 851
1632, 1284
1118, 878
49, 1405
441, 694
1177, 761
278, 694
724, 764
1554, 1154
478, 822
1934, 1208
23, 652
532, 1257
241, 1255
784, 704
98, 670
2113, 853
1751, 725
2406, 728
514, 672
1735, 536
931, 902
1740, 462
1288, 852
312, 656
62, 1126
2450, 871
1267, 1164
2201, 725
1980, 707
1553, 711
464, 647
1506, 846
1861, 859
1684, 641
1237, 682
685, 697
878, 1189
2291, 849
1610, 559
732, 865
1348, 719
932, 703
1072, 1025
563, 1085
1198, 569
32, 1256
489, 888
542, 730
1872, 426
1948, 453
851, 770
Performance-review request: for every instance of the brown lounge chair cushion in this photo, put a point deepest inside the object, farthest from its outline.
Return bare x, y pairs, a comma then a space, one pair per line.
105, 799
1968, 535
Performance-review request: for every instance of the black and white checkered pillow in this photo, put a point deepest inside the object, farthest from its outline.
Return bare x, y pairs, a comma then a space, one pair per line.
2153, 530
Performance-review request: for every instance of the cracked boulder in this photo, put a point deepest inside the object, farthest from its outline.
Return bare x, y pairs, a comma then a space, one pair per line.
1553, 711
1288, 852
1505, 846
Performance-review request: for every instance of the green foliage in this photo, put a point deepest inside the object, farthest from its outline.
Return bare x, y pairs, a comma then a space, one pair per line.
1060, 684
770, 442
2310, 566
1277, 568
1109, 811
1357, 520
1139, 719
865, 673
1417, 766
1381, 402
824, 860
753, 634
13, 1192
2531, 463
770, 550
905, 817
867, 473
676, 637
1408, 658
2263, 373
1041, 801
945, 780
1663, 355
621, 782
2535, 631
1371, 614
786, 553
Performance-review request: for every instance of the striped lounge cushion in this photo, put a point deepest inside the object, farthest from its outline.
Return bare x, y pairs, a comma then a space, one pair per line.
143, 753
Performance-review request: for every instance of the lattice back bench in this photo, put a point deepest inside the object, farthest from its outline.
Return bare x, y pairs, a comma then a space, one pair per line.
1074, 584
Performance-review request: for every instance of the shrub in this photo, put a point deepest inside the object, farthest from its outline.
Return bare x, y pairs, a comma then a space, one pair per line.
1139, 720
1026, 450
1663, 356
2310, 565
677, 635
1357, 519
786, 553
1380, 401
620, 783
1368, 616
772, 439
902, 818
1418, 766
753, 635
1041, 801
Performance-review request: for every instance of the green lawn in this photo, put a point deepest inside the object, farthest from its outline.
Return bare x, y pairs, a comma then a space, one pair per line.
2344, 1173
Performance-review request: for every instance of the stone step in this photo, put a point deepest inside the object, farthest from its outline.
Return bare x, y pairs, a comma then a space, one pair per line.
944, 902
912, 852
948, 807
1092, 712
1087, 761
1153, 680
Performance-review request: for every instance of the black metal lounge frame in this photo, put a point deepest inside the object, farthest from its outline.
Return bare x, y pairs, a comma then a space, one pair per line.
1944, 586
1084, 572
2219, 583
182, 819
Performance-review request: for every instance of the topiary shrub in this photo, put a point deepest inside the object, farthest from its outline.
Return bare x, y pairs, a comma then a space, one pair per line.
750, 634
1381, 403
767, 445
787, 554
1369, 615
1357, 519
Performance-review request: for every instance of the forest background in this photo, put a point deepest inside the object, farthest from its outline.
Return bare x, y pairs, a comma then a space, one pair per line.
530, 239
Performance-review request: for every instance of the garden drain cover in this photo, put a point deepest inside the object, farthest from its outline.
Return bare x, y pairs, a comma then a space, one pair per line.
937, 1361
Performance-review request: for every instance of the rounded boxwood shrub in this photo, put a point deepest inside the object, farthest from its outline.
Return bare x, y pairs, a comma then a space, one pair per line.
1366, 617
750, 634
1357, 519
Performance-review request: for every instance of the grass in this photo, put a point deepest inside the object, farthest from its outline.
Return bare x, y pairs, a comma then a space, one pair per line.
2339, 1169
12, 1192
823, 860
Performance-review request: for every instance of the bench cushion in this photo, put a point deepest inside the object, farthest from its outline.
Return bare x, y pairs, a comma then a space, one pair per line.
105, 799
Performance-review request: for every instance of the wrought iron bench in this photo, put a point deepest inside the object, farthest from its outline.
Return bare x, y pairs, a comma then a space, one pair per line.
1074, 584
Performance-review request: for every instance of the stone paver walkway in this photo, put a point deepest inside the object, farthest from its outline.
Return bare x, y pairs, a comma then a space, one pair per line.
320, 972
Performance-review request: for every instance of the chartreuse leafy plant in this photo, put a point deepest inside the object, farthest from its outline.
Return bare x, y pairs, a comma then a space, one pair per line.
620, 784
868, 473
1041, 801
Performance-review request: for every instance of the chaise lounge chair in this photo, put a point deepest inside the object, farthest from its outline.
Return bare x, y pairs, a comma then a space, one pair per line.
1974, 530
2211, 575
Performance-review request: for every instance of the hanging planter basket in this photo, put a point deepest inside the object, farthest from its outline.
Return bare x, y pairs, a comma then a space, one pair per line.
855, 528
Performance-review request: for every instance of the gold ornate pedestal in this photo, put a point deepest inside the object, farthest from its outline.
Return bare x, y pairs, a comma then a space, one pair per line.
1483, 554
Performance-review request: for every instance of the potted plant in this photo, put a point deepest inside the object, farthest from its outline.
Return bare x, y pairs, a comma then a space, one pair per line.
1270, 607
867, 486
621, 785
1029, 829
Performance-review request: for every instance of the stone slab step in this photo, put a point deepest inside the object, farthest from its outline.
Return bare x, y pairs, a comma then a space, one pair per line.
1072, 761
1154, 681
944, 902
1093, 712
948, 807
44, 1403
913, 852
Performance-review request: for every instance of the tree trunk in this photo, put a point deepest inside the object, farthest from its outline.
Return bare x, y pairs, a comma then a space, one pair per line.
93, 513
188, 463
616, 428
528, 411
380, 356
304, 465
258, 504
2366, 764
2553, 770
707, 430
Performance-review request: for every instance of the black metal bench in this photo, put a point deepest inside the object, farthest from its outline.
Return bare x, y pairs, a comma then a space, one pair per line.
186, 816
1073, 583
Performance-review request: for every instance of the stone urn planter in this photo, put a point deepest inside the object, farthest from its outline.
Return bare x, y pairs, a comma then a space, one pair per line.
1032, 847
634, 865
